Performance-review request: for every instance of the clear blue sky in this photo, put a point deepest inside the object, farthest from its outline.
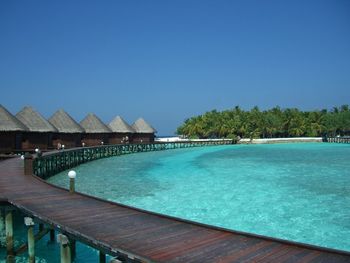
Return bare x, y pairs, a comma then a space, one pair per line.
170, 60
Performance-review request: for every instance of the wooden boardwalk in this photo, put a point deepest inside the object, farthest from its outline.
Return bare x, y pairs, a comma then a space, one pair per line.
148, 237
344, 139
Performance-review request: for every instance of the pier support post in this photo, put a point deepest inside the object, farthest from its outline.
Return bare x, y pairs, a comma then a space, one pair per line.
72, 246
52, 235
9, 236
28, 164
28, 221
102, 257
2, 228
65, 248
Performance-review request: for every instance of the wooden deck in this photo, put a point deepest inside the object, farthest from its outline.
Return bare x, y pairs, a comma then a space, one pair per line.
146, 236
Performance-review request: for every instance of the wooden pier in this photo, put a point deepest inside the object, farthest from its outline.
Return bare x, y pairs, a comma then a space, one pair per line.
117, 230
345, 139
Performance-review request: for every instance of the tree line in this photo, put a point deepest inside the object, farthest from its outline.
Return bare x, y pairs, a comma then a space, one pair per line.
272, 123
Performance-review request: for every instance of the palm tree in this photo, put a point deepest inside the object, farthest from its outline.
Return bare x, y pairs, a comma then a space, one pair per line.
271, 123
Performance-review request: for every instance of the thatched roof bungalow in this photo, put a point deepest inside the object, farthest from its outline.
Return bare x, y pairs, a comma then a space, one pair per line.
40, 130
96, 132
122, 132
69, 131
145, 133
11, 130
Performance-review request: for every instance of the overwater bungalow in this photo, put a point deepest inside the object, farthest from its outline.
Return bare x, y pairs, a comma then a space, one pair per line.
144, 132
122, 132
40, 130
11, 130
96, 132
69, 131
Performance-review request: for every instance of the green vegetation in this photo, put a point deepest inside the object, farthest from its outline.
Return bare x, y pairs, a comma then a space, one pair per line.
272, 123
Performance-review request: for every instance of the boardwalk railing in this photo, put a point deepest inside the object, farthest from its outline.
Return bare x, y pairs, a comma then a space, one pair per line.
53, 163
345, 139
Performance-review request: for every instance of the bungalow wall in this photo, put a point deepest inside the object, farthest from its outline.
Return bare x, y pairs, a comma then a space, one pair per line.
41, 140
143, 138
69, 140
117, 138
10, 141
94, 139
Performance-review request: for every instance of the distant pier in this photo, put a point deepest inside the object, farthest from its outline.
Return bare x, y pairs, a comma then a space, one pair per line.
345, 139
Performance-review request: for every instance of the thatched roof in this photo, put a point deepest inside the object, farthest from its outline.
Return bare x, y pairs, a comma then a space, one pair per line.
8, 122
141, 126
34, 121
92, 124
118, 124
64, 123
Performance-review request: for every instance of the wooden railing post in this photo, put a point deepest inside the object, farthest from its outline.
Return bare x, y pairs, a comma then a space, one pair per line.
28, 164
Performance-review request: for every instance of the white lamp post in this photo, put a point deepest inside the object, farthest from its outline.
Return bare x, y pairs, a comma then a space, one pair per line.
72, 174
38, 152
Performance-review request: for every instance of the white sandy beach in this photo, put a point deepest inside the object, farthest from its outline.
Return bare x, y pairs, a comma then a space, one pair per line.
247, 140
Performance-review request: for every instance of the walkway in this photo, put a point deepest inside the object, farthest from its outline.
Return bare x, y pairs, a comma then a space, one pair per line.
146, 236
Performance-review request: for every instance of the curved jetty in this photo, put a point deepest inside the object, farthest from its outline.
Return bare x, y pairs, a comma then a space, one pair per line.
144, 236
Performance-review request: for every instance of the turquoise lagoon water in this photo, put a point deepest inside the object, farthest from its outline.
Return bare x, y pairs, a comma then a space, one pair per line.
298, 192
